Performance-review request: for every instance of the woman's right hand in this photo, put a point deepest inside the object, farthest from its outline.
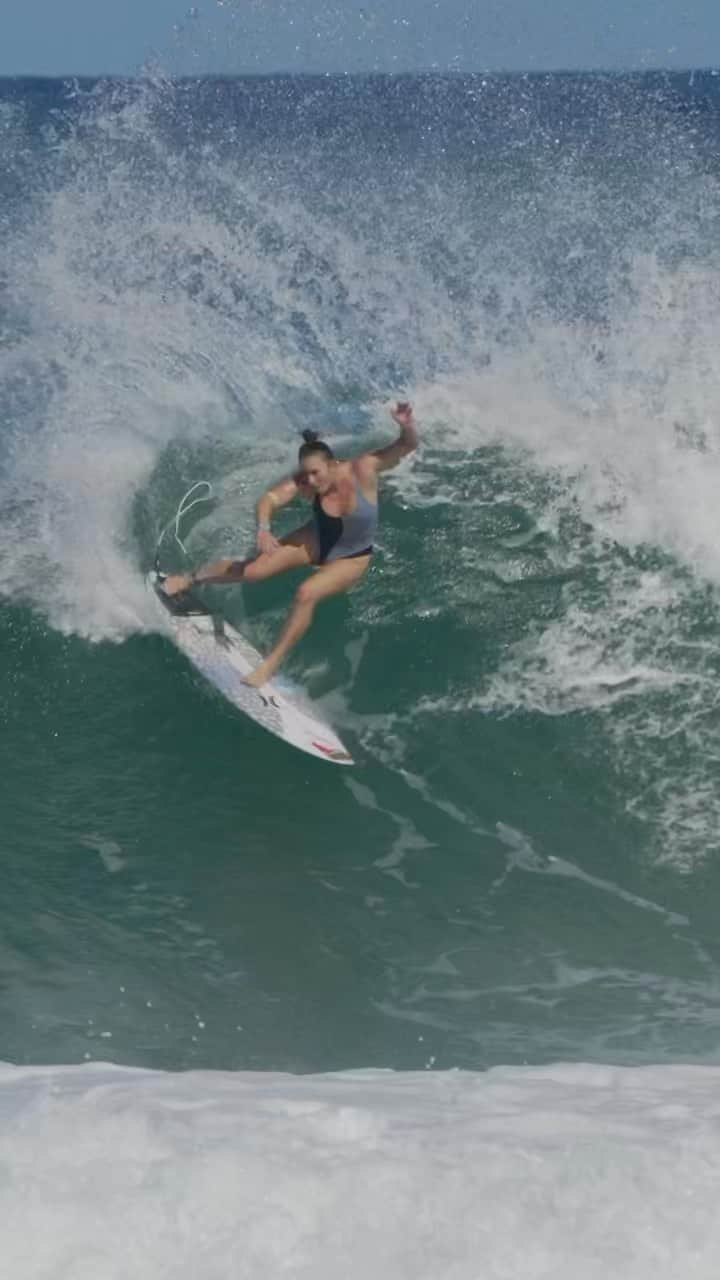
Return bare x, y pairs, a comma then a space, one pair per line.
267, 542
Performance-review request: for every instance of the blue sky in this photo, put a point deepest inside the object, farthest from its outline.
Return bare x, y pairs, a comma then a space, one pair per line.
56, 37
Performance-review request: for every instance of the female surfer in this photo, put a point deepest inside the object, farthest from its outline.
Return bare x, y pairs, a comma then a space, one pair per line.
337, 541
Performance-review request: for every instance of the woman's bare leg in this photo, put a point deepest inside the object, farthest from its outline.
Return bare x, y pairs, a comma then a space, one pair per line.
295, 551
328, 581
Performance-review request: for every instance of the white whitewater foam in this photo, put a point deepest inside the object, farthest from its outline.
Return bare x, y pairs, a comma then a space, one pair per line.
563, 1171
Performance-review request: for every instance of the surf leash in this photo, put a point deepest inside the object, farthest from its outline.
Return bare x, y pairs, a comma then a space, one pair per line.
183, 508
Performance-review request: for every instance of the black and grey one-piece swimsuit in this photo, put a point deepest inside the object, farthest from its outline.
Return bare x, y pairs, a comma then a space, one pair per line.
344, 537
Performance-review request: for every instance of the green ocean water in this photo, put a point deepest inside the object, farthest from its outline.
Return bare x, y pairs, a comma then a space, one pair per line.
184, 890
522, 867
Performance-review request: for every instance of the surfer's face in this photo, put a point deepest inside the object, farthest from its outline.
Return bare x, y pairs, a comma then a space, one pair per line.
317, 472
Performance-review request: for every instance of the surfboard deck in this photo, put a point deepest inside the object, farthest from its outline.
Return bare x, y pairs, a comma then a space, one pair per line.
223, 656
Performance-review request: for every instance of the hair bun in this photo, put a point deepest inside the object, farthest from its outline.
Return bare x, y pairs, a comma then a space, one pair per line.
310, 436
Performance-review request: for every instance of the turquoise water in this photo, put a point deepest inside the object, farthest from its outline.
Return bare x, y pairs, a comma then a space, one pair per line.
523, 866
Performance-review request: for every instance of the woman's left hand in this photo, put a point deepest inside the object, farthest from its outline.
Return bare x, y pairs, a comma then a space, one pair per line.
402, 414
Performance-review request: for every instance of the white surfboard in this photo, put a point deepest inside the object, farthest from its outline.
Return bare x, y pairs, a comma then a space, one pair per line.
224, 656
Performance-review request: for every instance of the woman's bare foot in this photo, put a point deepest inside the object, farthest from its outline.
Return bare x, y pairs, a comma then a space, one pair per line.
260, 675
176, 582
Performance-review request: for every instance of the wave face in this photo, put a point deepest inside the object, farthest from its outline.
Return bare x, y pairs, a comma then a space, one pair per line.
524, 866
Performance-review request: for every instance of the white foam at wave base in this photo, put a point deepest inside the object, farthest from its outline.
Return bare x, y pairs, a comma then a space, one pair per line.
569, 1172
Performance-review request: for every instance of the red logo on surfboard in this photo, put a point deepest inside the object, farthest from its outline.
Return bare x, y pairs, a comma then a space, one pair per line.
334, 753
